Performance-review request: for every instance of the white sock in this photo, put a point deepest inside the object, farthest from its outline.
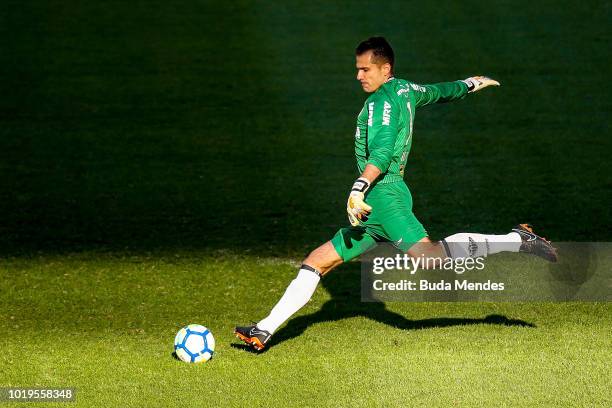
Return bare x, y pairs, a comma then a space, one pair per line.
298, 293
470, 245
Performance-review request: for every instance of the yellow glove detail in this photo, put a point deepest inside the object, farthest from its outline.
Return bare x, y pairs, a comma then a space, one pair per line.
357, 209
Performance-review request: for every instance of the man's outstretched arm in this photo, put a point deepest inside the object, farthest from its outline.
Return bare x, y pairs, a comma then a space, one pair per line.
450, 91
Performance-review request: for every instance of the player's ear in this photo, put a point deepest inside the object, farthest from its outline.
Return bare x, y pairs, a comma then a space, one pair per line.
386, 68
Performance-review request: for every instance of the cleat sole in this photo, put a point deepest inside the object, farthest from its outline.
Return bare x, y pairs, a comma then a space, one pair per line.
251, 341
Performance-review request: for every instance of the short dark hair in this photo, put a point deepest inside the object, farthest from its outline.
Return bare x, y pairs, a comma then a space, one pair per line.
381, 50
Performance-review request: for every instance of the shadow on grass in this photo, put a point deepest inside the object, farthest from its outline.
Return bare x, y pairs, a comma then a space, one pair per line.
344, 288
246, 348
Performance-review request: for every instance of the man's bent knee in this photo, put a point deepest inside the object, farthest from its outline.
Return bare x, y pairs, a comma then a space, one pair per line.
432, 251
324, 258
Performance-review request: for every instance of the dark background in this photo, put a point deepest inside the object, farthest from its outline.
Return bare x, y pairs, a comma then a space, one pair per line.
150, 125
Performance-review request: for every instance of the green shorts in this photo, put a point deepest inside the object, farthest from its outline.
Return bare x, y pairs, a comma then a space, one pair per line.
391, 221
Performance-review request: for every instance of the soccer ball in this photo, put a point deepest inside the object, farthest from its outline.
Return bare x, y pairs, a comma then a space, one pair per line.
194, 344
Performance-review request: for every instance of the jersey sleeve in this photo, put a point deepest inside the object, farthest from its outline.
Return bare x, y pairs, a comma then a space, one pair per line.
383, 118
439, 93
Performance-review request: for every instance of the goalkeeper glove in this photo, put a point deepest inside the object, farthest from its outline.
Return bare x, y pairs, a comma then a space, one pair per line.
478, 82
357, 209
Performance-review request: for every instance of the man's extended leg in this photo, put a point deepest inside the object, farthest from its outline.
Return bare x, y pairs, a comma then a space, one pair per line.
298, 293
300, 290
347, 243
471, 245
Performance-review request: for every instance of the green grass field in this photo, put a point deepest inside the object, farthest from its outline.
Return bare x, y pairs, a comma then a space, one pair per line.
166, 163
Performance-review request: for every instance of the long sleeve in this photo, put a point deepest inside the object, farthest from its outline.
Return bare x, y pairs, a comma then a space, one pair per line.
439, 93
382, 132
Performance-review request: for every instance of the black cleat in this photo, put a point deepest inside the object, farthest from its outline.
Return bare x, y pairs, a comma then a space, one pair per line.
253, 336
534, 244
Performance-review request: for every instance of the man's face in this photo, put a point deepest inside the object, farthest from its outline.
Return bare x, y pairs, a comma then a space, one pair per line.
370, 74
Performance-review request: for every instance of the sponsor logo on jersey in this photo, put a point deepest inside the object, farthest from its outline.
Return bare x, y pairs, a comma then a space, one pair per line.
357, 133
386, 114
403, 90
370, 113
417, 87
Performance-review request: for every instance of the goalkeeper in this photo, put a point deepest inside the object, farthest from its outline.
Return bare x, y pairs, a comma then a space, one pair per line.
379, 205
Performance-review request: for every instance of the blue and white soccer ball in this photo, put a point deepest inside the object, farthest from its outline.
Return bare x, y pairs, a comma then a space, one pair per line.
194, 344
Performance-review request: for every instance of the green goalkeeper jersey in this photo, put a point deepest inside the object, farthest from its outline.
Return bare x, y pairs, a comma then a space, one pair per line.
384, 125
